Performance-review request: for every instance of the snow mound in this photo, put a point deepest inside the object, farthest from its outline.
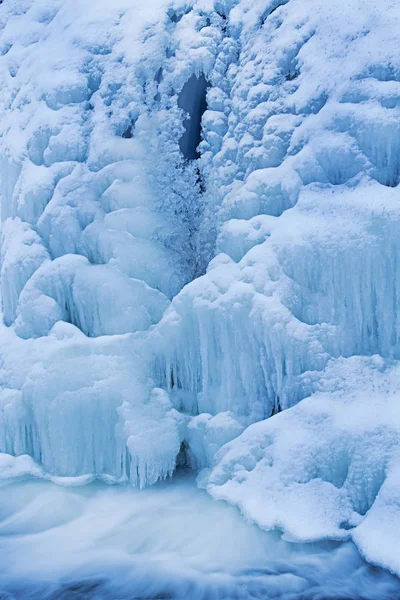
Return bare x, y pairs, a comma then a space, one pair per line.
327, 468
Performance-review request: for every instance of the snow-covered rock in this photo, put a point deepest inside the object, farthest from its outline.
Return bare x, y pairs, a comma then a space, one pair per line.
328, 467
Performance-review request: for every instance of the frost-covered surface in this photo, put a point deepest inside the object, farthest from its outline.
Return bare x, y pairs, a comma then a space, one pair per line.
99, 212
161, 296
328, 467
307, 168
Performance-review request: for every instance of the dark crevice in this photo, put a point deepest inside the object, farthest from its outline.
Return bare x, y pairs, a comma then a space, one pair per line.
174, 381
183, 460
176, 17
277, 407
224, 21
158, 77
200, 181
128, 132
272, 10
193, 100
292, 75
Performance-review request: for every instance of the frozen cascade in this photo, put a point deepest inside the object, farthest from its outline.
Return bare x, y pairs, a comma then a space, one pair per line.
255, 143
99, 212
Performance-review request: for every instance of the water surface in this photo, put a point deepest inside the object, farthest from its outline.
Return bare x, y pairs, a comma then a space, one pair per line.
170, 541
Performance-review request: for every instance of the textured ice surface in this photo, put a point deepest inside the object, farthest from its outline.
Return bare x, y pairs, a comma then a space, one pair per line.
98, 207
156, 305
84, 407
327, 467
304, 177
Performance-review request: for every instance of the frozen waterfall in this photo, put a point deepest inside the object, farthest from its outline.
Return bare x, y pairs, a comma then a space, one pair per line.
200, 264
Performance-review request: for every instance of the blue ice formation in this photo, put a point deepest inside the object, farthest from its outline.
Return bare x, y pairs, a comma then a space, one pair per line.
199, 253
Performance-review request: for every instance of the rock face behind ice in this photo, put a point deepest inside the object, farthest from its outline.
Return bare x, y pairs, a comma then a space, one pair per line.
200, 223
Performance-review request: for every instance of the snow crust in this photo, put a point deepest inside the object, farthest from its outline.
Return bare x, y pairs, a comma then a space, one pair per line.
334, 457
162, 309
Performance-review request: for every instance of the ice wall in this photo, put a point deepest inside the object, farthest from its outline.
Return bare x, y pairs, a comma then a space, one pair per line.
99, 214
301, 155
301, 158
200, 216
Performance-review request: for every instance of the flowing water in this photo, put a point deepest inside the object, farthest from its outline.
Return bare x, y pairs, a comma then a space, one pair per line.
170, 541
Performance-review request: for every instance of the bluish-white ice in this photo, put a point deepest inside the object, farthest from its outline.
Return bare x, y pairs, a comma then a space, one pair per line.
200, 224
169, 541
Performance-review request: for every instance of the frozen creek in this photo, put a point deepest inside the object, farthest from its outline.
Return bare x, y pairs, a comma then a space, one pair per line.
169, 541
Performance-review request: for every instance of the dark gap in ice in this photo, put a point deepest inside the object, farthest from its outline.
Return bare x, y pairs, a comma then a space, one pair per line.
292, 70
221, 14
292, 75
272, 10
192, 100
128, 133
183, 460
277, 407
158, 77
127, 463
176, 17
200, 181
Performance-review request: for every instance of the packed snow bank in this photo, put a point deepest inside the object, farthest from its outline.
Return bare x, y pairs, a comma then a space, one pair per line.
327, 468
